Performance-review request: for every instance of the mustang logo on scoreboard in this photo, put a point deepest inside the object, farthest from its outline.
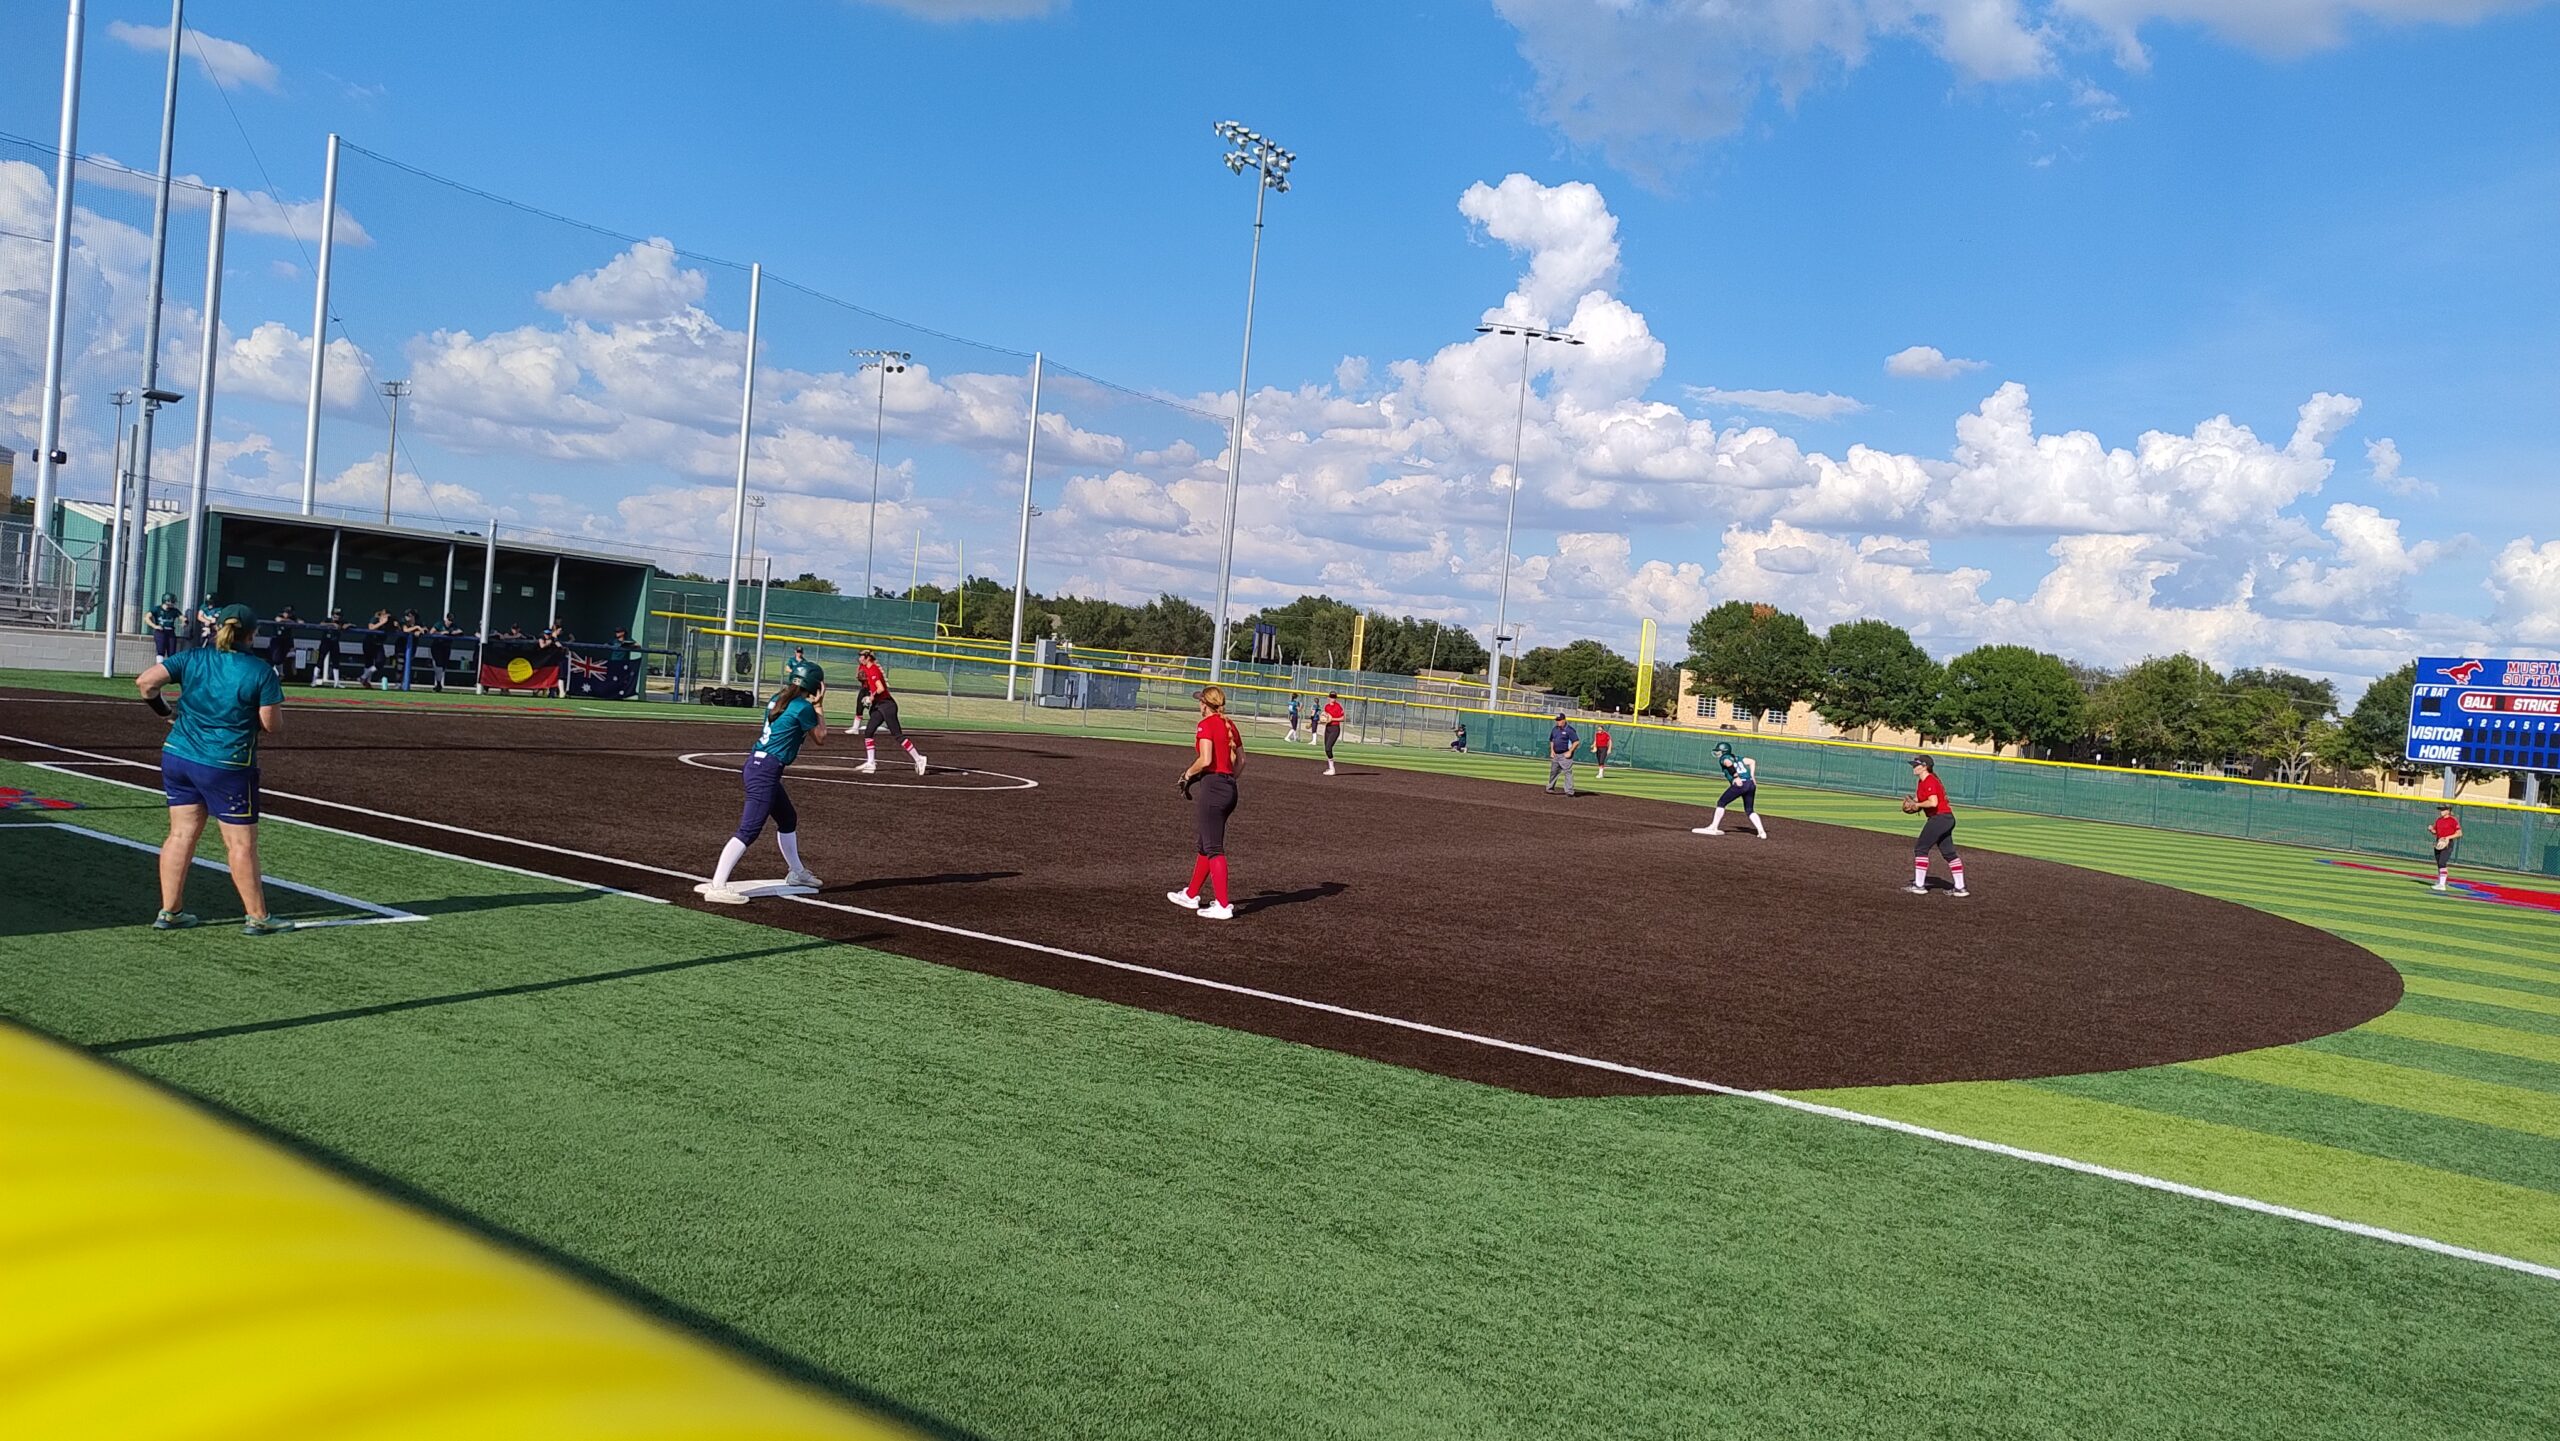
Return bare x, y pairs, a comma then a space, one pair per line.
2499, 715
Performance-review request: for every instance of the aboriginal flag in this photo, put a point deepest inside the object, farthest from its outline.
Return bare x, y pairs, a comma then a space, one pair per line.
519, 665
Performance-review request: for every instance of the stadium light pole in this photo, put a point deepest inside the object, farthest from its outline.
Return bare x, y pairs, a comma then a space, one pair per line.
49, 453
1270, 165
392, 390
155, 289
191, 582
883, 361
1529, 335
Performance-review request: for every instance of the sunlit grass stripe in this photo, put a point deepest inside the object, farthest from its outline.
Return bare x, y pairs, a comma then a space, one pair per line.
2531, 975
2469, 1035
2418, 1003
2362, 1127
2514, 942
2463, 1210
2501, 997
2430, 966
2495, 1067
2429, 1093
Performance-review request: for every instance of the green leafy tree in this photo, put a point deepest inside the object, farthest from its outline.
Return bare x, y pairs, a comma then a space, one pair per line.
2009, 695
2312, 697
1402, 645
1595, 676
2169, 709
1530, 667
1171, 625
2371, 736
808, 581
1873, 674
1759, 656
1313, 630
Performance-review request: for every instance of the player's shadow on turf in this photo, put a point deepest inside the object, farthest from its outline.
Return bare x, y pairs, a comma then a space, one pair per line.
456, 998
1269, 899
458, 905
948, 878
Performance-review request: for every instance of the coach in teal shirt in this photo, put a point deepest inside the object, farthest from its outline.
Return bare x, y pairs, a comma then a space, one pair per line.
228, 699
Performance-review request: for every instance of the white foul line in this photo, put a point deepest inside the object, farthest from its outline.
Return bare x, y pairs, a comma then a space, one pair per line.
381, 915
1771, 1098
65, 769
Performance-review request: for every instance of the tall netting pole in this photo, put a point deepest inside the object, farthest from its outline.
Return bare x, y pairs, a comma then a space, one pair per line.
319, 328
57, 304
1022, 559
190, 590
155, 288
488, 596
738, 502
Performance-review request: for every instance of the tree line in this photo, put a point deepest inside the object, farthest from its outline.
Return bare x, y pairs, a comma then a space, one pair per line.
2164, 712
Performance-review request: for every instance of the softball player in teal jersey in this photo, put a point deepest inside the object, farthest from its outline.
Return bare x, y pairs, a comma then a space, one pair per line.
227, 700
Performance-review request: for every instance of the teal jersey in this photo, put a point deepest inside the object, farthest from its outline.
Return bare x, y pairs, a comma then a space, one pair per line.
165, 617
217, 705
784, 732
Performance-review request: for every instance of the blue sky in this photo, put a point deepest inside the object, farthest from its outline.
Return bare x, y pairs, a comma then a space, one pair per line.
2141, 222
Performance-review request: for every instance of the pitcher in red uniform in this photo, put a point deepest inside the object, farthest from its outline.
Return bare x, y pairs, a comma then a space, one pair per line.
2446, 829
1210, 783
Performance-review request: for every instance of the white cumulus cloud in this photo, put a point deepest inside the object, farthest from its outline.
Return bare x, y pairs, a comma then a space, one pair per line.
226, 61
1928, 362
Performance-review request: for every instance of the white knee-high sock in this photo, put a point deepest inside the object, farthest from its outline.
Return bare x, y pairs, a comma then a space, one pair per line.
1755, 825
729, 856
790, 843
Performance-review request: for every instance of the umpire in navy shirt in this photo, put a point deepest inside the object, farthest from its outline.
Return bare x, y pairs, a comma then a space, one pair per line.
1561, 743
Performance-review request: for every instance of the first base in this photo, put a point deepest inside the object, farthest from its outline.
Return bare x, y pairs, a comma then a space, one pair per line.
754, 890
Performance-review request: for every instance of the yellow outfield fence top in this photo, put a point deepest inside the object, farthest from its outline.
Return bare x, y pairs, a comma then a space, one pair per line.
165, 1276
1739, 737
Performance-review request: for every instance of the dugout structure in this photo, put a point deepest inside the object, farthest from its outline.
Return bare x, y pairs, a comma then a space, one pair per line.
267, 560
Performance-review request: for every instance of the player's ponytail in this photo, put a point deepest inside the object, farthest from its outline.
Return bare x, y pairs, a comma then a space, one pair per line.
782, 698
232, 634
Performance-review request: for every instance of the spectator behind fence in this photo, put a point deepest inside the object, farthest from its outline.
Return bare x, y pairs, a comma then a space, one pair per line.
280, 643
440, 645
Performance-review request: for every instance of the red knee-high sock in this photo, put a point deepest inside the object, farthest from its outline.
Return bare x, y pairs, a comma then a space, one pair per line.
1218, 877
1199, 876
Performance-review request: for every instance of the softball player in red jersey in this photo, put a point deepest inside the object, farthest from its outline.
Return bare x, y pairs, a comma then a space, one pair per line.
880, 711
1929, 798
2446, 830
1210, 783
1331, 715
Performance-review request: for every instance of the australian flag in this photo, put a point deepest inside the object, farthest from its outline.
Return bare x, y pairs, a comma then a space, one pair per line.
604, 677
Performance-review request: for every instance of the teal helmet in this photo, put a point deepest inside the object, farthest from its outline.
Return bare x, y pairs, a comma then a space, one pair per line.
1724, 748
806, 674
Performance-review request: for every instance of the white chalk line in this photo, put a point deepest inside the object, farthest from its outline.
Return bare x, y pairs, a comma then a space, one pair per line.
1770, 1098
699, 760
378, 915
66, 768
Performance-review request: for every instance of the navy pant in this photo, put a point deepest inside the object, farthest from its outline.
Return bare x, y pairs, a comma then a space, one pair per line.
1743, 791
1938, 831
766, 800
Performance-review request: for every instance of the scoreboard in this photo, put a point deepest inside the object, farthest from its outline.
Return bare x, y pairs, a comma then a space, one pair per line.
2482, 714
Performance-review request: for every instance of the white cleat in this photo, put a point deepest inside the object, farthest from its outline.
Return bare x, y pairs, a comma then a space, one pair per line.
722, 896
1959, 891
1704, 831
1184, 899
1214, 912
803, 878
919, 757
1917, 890
2438, 888
869, 766
1328, 768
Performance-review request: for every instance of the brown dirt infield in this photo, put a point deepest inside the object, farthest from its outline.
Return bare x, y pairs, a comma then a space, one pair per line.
1596, 926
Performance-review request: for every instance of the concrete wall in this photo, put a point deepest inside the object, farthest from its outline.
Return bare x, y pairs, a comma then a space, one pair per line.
72, 650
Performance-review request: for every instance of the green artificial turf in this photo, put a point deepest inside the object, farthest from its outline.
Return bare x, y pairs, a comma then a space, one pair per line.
1031, 1214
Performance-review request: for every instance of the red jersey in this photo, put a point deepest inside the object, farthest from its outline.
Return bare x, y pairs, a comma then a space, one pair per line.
1225, 743
1600, 740
2446, 828
871, 680
1933, 789
1333, 712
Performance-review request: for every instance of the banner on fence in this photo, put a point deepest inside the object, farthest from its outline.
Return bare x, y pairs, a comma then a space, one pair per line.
515, 664
604, 677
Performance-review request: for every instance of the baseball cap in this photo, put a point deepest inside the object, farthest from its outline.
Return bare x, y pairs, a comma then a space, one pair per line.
239, 613
1211, 695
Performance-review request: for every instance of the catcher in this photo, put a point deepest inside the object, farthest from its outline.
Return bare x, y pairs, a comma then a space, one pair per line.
1209, 783
1929, 798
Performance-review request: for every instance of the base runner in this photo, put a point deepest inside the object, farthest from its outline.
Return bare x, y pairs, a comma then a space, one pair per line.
2447, 829
1209, 783
879, 712
1741, 783
797, 713
1332, 716
1929, 798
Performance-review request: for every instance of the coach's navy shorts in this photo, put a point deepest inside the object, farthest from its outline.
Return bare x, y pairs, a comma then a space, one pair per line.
229, 794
